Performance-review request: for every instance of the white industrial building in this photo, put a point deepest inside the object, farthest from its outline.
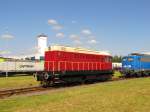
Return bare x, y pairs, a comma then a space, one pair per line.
41, 46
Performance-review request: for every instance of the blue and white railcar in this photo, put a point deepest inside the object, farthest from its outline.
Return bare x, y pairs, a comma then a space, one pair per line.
136, 65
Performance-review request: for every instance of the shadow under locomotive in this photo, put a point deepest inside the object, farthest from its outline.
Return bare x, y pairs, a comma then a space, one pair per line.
68, 77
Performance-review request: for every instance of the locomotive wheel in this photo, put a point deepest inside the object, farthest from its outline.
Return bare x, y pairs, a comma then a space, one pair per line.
46, 76
36, 76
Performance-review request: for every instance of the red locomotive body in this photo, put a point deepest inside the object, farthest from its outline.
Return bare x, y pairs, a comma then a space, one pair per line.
75, 65
59, 61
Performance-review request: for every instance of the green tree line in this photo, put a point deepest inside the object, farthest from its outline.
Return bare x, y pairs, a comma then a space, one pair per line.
117, 59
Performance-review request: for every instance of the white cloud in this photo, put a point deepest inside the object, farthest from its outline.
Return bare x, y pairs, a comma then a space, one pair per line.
78, 42
57, 27
60, 35
86, 32
92, 37
52, 22
7, 36
74, 37
92, 41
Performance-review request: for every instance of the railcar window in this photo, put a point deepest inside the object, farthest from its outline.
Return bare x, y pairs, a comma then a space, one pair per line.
106, 59
130, 59
110, 59
124, 59
102, 59
145, 59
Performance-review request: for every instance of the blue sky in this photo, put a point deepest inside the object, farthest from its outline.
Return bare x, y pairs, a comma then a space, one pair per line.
118, 26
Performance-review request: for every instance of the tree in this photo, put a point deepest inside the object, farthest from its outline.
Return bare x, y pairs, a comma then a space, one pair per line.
117, 59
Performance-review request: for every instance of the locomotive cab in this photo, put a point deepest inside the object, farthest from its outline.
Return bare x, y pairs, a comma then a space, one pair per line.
136, 65
131, 63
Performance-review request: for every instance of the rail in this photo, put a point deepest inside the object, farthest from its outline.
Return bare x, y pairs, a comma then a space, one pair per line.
8, 93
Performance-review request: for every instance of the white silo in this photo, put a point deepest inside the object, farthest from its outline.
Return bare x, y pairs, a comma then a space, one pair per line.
42, 44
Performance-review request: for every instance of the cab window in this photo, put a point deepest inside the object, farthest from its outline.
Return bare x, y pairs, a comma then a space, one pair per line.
130, 59
124, 59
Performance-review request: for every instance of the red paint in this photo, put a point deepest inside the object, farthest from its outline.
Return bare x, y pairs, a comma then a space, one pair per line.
71, 61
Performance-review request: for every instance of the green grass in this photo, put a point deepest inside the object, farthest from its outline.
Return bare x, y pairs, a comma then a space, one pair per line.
119, 96
17, 82
117, 74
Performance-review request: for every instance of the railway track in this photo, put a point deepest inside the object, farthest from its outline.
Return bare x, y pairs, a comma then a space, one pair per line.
8, 93
11, 92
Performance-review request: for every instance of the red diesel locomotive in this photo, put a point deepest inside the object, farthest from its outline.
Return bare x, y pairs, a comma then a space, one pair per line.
67, 64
